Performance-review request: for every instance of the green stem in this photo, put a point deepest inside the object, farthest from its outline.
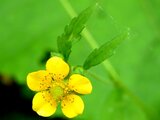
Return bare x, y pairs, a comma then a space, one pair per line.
96, 77
90, 39
115, 78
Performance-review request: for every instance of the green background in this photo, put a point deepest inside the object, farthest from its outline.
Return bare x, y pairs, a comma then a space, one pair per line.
29, 30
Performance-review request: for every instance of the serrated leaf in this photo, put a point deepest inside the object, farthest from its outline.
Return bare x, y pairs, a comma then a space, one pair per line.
72, 32
105, 51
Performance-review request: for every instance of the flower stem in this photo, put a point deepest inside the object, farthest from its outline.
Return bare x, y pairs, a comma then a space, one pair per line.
115, 78
106, 82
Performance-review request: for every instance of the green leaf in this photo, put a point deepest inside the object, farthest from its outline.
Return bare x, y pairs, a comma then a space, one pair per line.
72, 32
105, 51
52, 54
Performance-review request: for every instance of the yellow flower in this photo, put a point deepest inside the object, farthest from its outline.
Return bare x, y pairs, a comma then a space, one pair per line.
53, 88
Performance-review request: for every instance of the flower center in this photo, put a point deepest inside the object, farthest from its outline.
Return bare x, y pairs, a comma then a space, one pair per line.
57, 92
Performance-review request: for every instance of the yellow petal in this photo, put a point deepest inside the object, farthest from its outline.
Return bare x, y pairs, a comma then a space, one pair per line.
58, 67
80, 84
44, 104
72, 105
38, 81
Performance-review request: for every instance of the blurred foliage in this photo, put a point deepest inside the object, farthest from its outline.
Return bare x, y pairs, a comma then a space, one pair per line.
29, 29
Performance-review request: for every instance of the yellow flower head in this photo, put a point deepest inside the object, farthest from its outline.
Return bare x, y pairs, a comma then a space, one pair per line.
53, 89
